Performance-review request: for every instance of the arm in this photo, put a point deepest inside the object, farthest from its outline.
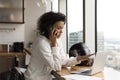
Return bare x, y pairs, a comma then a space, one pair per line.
82, 58
67, 62
56, 75
50, 55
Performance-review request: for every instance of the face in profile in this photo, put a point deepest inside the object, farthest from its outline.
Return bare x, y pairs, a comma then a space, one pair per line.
59, 27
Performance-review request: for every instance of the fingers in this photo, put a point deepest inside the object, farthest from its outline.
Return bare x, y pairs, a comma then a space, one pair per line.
86, 57
52, 37
89, 62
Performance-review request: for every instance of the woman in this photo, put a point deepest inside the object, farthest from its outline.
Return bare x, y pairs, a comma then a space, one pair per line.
47, 51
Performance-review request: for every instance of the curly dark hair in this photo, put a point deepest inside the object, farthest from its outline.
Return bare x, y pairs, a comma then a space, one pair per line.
47, 20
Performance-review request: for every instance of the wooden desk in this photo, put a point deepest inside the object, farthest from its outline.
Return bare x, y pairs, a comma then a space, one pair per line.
11, 54
7, 60
107, 74
27, 50
66, 71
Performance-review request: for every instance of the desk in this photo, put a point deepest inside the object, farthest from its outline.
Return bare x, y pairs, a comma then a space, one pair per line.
7, 60
11, 54
107, 74
66, 71
27, 50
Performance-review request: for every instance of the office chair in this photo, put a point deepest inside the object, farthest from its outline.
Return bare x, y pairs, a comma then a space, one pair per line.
80, 49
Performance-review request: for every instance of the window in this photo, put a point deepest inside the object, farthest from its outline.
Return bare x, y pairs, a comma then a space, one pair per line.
75, 21
108, 38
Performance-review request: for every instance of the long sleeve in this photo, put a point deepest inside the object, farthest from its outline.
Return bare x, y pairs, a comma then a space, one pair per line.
44, 59
66, 61
50, 55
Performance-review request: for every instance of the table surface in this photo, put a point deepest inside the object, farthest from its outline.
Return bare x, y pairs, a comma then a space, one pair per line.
107, 74
66, 71
12, 54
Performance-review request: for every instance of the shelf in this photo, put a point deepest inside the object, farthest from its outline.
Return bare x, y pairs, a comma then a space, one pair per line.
11, 9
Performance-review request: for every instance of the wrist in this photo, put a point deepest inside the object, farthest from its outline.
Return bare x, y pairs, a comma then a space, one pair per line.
53, 45
78, 59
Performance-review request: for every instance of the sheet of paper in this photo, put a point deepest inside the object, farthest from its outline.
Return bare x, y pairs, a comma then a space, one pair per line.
81, 77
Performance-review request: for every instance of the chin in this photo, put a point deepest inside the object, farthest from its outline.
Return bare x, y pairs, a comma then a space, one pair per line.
58, 36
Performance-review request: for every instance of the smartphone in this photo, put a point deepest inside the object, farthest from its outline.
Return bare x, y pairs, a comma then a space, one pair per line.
55, 32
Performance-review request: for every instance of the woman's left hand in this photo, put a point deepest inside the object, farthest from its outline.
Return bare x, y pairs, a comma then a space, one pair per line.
83, 58
89, 62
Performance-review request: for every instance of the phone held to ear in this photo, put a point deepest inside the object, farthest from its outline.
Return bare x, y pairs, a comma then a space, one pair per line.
55, 32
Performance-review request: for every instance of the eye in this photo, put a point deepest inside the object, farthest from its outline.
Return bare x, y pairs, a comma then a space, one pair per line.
60, 27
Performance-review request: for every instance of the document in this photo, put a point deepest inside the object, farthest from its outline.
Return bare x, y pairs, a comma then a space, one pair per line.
81, 77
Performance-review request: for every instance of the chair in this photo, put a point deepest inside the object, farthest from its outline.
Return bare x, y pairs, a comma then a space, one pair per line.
80, 49
6, 63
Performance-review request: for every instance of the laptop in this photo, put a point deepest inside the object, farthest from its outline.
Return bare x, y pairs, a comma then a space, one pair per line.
97, 66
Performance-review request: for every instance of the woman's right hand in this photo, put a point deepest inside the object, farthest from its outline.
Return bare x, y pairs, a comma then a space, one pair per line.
53, 37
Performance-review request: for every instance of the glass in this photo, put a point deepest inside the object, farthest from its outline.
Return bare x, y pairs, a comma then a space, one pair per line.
75, 21
108, 30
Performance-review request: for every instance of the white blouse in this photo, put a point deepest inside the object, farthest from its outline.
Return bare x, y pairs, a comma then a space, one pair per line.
45, 58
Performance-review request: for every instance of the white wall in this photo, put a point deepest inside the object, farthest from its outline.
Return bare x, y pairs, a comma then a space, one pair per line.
33, 10
10, 36
27, 31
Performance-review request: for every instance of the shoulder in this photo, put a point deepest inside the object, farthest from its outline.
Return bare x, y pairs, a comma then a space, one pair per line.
41, 41
59, 41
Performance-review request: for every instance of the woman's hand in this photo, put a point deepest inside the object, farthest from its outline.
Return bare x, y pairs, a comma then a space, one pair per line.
53, 37
89, 62
83, 58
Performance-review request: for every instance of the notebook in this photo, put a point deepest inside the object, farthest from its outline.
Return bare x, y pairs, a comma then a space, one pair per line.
97, 66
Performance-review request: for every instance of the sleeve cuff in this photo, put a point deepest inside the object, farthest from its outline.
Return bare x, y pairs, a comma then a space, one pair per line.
55, 50
77, 62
